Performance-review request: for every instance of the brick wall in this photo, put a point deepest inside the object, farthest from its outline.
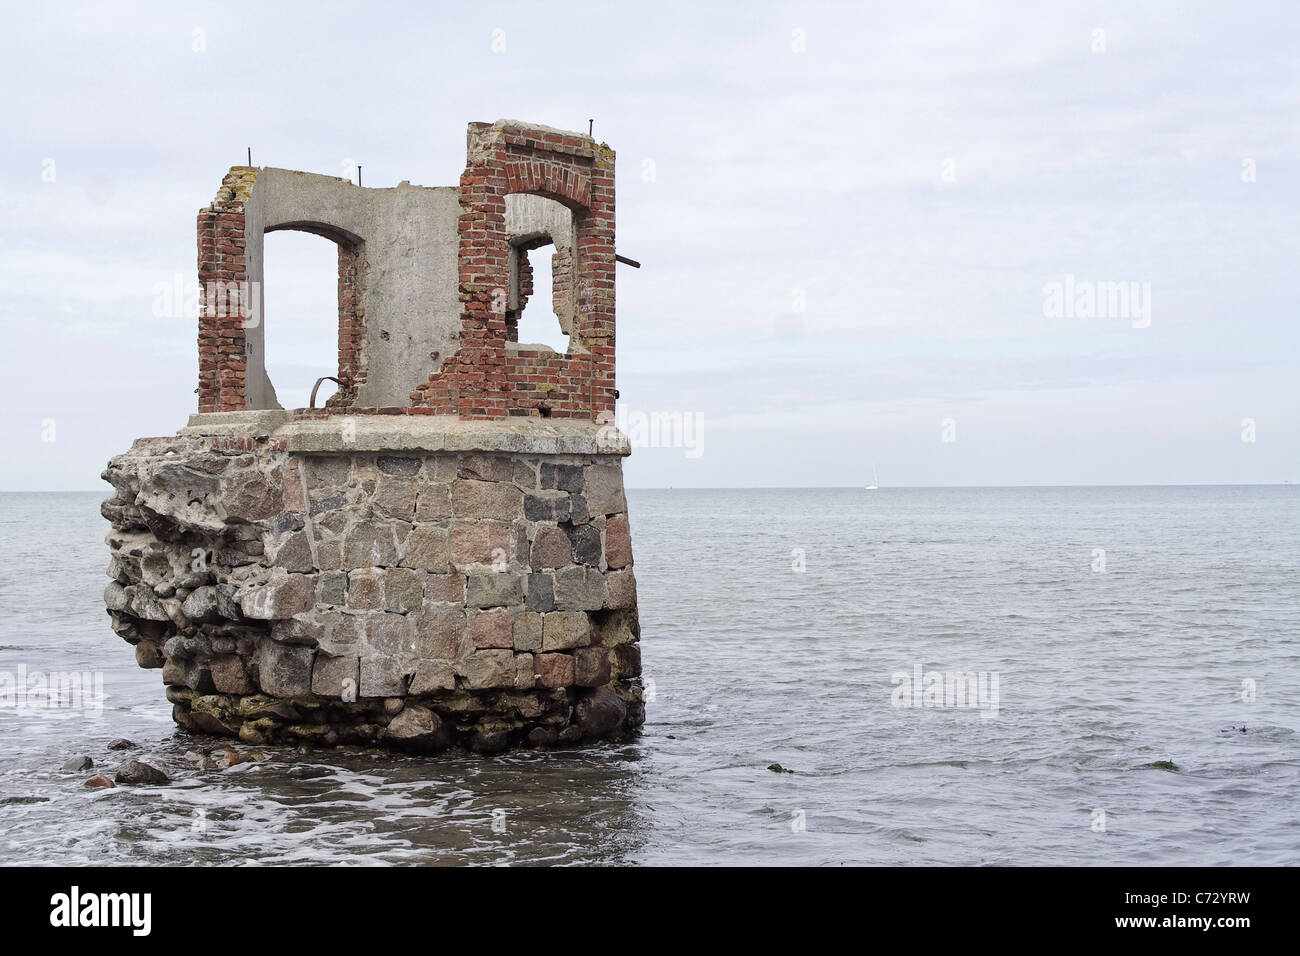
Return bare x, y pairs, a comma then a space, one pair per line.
525, 293
352, 366
222, 359
562, 283
483, 380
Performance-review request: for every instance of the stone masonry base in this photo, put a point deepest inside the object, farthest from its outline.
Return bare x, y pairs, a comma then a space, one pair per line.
416, 599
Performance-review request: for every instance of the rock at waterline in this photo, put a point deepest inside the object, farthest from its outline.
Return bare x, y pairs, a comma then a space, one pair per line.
121, 743
1165, 765
600, 714
135, 771
79, 763
99, 782
9, 800
203, 761
417, 728
227, 757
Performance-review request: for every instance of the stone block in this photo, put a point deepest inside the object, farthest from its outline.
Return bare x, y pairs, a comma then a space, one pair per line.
562, 630
369, 544
621, 589
486, 468
366, 589
306, 629
427, 548
537, 508
617, 627
487, 669
626, 661
520, 546
332, 587
494, 590
493, 629
594, 592
433, 503
442, 468
618, 542
403, 590
480, 542
441, 632
395, 497
604, 491
525, 672
559, 477
591, 667
398, 465
294, 496
551, 549
200, 606
282, 596
291, 551
445, 587
485, 499
229, 675
540, 592
432, 677
329, 554
335, 677
251, 497
344, 633
284, 670
524, 473
325, 471
381, 677
554, 670
586, 547
528, 631
600, 714
328, 510
391, 635
580, 589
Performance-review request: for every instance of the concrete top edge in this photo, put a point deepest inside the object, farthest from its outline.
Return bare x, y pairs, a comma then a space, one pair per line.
257, 171
398, 433
539, 128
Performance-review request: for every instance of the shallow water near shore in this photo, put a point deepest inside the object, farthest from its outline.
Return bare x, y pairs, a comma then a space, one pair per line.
1100, 674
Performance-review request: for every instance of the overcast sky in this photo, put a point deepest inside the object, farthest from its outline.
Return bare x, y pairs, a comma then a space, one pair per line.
848, 216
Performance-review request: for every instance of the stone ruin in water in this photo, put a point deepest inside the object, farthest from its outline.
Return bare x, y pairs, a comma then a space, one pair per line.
438, 557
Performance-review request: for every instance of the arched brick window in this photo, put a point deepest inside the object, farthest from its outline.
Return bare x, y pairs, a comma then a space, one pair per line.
541, 235
491, 375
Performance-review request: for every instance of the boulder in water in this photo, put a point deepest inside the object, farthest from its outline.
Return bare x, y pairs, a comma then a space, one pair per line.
136, 771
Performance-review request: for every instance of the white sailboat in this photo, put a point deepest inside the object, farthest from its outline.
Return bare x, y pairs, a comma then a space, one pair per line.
875, 482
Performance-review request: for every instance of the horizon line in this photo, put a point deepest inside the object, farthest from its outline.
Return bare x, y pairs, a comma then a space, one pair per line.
1190, 484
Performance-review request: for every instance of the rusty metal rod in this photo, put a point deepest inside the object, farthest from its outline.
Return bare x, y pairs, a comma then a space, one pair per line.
314, 388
